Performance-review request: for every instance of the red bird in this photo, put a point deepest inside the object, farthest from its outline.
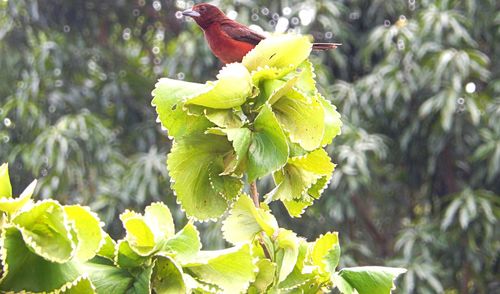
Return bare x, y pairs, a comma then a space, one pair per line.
228, 39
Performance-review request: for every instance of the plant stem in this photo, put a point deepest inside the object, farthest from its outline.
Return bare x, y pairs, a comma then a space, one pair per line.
255, 194
256, 201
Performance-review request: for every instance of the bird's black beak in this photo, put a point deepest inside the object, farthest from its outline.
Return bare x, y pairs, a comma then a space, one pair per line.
190, 12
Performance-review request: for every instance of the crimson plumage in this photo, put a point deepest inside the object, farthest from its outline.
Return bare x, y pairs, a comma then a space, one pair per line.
228, 39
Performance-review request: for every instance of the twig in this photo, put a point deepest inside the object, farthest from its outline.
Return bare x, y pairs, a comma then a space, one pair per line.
255, 194
256, 201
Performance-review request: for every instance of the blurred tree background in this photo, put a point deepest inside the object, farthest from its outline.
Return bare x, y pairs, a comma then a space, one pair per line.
417, 183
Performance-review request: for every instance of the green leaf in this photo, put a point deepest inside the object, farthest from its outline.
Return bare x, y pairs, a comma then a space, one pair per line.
295, 279
268, 150
275, 89
168, 100
225, 118
302, 118
167, 276
233, 87
200, 287
269, 73
88, 230
298, 178
306, 83
367, 279
326, 252
159, 220
287, 253
127, 257
245, 221
46, 231
107, 278
12, 205
185, 245
191, 163
25, 270
5, 187
296, 207
275, 51
140, 237
333, 123
81, 285
232, 269
264, 278
107, 249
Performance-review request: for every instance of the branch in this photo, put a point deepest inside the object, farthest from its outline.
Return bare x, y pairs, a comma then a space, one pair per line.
256, 201
255, 194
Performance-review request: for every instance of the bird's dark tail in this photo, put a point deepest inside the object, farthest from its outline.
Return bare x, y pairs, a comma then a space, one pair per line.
325, 46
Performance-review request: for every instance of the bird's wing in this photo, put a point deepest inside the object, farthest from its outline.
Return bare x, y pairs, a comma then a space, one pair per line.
240, 32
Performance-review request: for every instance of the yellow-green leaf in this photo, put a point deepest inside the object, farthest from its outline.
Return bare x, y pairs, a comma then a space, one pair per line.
12, 205
302, 118
275, 51
168, 99
245, 221
5, 187
326, 252
191, 163
88, 230
233, 88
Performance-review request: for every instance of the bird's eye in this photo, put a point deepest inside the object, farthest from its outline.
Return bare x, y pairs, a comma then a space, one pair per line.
203, 8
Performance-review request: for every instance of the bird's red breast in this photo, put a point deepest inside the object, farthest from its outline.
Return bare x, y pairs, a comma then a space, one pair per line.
225, 47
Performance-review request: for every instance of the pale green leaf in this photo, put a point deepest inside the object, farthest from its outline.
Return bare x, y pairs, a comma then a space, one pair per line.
298, 177
227, 186
233, 87
245, 221
126, 256
25, 270
191, 163
269, 73
167, 276
107, 249
12, 205
287, 253
367, 279
231, 269
241, 140
139, 234
306, 83
5, 187
81, 285
333, 123
88, 230
296, 207
264, 278
225, 118
184, 246
275, 89
268, 150
168, 100
46, 231
303, 119
159, 220
295, 279
326, 252
200, 287
275, 51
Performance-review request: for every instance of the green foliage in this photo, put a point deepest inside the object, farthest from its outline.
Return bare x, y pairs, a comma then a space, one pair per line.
268, 113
